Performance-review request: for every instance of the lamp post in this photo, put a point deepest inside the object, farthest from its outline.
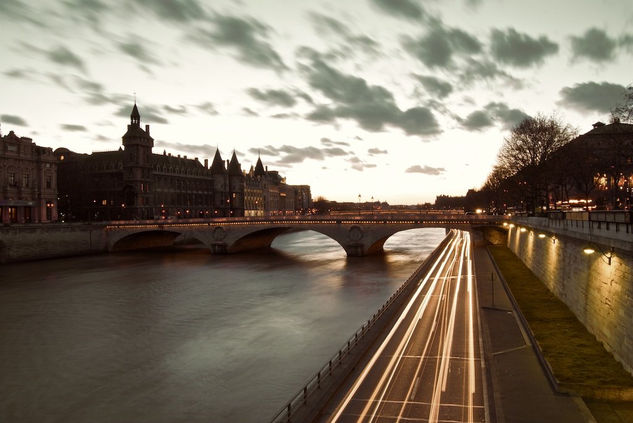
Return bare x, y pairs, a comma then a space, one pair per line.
358, 205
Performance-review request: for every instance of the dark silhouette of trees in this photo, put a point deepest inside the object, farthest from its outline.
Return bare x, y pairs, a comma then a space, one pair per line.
623, 112
524, 159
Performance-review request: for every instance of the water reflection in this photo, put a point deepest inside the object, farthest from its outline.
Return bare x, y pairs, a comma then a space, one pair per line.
182, 335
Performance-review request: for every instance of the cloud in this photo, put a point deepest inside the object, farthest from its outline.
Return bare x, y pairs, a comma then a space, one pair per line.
435, 86
91, 10
20, 11
13, 120
594, 45
352, 43
73, 128
179, 11
406, 9
177, 110
520, 50
592, 96
372, 106
148, 113
246, 36
273, 97
509, 117
290, 154
249, 112
427, 170
136, 50
359, 165
374, 151
477, 120
485, 70
63, 56
438, 46
18, 73
201, 150
207, 107
329, 143
626, 42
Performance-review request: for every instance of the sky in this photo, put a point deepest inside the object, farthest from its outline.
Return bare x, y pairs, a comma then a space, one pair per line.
395, 100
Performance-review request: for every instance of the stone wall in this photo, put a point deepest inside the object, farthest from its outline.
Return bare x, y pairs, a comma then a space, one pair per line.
31, 242
598, 293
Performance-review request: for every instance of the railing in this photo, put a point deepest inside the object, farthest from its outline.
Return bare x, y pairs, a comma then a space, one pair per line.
314, 383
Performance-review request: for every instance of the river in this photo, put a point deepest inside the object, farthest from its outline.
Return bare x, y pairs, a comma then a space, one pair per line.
184, 336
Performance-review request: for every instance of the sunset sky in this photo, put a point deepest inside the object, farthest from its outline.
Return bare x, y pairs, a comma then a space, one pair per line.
400, 100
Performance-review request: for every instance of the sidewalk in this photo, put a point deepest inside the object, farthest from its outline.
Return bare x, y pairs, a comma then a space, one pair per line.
521, 390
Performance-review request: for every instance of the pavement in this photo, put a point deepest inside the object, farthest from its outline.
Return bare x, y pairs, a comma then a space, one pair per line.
523, 391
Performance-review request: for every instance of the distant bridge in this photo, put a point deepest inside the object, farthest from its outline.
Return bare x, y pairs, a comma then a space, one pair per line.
360, 236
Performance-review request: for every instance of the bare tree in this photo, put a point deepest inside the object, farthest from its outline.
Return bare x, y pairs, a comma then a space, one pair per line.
623, 112
526, 151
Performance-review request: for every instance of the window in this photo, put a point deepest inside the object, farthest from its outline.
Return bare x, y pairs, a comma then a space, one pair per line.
27, 215
49, 181
13, 214
11, 178
25, 180
61, 158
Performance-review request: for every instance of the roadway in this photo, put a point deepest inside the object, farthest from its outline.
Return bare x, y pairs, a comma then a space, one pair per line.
428, 368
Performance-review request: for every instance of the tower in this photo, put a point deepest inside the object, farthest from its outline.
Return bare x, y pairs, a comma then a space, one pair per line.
236, 187
221, 200
137, 169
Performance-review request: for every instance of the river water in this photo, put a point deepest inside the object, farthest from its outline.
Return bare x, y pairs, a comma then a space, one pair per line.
184, 336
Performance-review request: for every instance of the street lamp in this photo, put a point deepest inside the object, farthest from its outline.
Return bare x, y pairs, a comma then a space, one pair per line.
358, 204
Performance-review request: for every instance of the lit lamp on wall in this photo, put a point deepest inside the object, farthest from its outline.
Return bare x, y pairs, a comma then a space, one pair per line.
608, 255
523, 229
541, 235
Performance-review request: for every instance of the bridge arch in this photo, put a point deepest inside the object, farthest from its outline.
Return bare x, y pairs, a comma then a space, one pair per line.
153, 238
263, 238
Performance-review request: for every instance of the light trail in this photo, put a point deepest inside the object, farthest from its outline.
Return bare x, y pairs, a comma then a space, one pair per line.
376, 355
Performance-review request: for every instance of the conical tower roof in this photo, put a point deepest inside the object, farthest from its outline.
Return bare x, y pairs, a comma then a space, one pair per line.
217, 166
234, 166
259, 168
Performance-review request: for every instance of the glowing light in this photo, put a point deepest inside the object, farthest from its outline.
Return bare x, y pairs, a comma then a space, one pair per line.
505, 223
511, 225
588, 250
541, 235
523, 230
479, 211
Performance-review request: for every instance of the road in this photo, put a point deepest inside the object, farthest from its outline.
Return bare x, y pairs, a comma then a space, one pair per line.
428, 369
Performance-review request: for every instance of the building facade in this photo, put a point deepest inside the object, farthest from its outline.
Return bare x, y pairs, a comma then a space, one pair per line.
134, 183
28, 181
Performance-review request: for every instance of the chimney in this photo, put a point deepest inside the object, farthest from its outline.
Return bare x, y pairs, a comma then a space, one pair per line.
195, 158
184, 157
206, 163
179, 156
147, 129
227, 164
169, 154
266, 168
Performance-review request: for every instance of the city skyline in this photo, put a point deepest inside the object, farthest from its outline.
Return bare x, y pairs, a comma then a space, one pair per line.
396, 100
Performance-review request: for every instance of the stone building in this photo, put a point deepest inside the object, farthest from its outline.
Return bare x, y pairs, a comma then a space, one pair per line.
135, 183
267, 194
28, 181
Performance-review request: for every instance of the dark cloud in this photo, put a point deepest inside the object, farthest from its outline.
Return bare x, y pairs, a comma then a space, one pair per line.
594, 45
73, 128
438, 46
200, 150
508, 117
178, 11
427, 170
592, 96
13, 120
520, 50
406, 9
207, 107
91, 10
329, 143
20, 11
290, 154
477, 120
485, 70
149, 114
18, 73
63, 56
374, 151
273, 97
137, 50
626, 42
351, 42
176, 110
246, 36
372, 106
435, 86
285, 116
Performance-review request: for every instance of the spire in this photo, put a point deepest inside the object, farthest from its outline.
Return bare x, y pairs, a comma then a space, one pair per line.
259, 167
218, 164
234, 166
135, 117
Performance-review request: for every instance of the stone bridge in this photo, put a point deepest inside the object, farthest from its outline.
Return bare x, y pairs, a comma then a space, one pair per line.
358, 237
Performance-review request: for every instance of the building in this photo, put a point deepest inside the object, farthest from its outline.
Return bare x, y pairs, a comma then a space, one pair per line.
135, 183
267, 194
28, 177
